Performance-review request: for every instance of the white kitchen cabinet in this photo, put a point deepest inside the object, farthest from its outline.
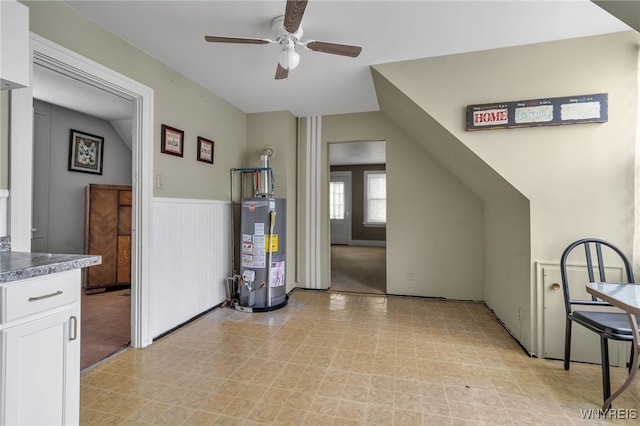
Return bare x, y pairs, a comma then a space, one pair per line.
40, 347
15, 61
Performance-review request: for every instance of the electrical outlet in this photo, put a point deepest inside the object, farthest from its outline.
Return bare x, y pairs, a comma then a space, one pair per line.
410, 276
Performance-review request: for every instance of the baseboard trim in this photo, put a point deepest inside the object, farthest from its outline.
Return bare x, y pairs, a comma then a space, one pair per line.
368, 243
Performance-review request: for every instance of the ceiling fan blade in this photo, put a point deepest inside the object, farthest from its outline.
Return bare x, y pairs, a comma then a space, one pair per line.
293, 15
242, 40
334, 48
281, 73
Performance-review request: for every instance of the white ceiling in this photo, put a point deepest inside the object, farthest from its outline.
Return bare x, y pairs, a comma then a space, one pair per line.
55, 88
388, 31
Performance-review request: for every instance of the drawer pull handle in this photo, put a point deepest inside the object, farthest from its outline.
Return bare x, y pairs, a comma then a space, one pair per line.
45, 296
73, 328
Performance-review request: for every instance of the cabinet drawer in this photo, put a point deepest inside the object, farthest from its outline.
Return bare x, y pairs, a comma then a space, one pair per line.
31, 296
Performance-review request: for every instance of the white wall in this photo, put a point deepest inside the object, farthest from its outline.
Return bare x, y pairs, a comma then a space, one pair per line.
59, 194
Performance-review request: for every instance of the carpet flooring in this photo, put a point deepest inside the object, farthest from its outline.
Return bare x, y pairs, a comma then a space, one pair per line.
105, 325
359, 269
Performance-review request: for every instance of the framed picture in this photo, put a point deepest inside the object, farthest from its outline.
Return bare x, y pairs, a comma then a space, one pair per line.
85, 152
205, 150
172, 141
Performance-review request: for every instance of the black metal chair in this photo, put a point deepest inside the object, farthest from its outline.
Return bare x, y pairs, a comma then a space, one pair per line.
609, 325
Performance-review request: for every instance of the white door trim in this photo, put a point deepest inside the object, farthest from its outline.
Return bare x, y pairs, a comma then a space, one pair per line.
346, 175
51, 55
313, 203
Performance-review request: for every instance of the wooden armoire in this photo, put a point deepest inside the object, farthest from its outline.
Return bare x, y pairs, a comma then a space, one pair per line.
108, 233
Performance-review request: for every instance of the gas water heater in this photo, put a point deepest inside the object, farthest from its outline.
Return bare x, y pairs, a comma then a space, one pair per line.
259, 284
262, 253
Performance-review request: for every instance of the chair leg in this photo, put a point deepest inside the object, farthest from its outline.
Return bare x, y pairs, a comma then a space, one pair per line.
567, 345
606, 380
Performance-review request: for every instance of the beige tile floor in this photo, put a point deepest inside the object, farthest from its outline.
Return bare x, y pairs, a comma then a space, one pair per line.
345, 359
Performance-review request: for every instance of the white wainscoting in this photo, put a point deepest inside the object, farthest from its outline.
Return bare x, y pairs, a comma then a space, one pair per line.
190, 259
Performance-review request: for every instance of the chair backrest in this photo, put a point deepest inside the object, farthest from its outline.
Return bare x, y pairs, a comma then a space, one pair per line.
600, 255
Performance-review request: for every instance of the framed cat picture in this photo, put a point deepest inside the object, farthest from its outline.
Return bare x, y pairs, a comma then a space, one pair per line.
85, 152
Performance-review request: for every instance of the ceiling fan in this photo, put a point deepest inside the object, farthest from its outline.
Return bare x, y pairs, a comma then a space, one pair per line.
288, 31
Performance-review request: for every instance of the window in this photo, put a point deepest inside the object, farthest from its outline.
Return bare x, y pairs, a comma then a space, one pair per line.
375, 203
336, 200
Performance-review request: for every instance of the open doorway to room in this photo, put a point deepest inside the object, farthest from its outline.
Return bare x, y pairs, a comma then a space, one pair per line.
82, 69
357, 210
82, 139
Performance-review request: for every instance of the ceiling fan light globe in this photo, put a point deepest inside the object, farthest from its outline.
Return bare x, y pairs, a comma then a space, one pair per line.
288, 59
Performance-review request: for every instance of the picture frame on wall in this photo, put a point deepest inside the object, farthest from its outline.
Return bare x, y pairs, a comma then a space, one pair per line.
85, 152
172, 141
205, 150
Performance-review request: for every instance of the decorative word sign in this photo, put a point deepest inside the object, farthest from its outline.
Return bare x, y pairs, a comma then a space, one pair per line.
538, 112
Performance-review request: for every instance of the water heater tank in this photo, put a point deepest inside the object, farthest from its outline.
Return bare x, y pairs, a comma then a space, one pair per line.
262, 254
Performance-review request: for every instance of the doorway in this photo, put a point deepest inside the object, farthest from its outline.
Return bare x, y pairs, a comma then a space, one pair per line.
60, 199
66, 62
357, 209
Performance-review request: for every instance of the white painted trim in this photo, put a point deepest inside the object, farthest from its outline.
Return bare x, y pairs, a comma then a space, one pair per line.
347, 176
313, 203
54, 56
21, 174
635, 254
4, 212
365, 199
538, 320
538, 349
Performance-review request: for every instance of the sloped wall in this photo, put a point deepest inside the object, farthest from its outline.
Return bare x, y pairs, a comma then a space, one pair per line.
578, 178
504, 216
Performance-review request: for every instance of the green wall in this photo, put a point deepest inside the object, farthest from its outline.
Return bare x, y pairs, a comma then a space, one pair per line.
541, 187
179, 103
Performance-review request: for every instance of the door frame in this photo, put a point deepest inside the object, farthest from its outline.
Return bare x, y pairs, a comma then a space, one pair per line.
348, 202
51, 55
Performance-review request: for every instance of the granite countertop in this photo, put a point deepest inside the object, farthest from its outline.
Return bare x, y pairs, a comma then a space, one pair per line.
21, 265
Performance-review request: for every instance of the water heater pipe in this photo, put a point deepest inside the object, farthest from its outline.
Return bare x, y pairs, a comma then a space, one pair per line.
272, 223
264, 189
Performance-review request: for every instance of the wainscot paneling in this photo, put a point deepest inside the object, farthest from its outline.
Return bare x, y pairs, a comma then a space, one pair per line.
190, 259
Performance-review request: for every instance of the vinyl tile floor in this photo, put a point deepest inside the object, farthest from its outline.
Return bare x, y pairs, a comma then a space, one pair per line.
345, 359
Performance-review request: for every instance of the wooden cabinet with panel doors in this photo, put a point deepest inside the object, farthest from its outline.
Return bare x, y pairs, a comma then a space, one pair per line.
108, 234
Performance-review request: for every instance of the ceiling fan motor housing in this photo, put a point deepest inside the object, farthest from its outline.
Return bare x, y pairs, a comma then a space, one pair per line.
282, 27
277, 27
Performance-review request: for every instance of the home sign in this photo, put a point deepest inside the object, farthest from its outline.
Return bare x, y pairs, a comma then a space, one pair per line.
538, 112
